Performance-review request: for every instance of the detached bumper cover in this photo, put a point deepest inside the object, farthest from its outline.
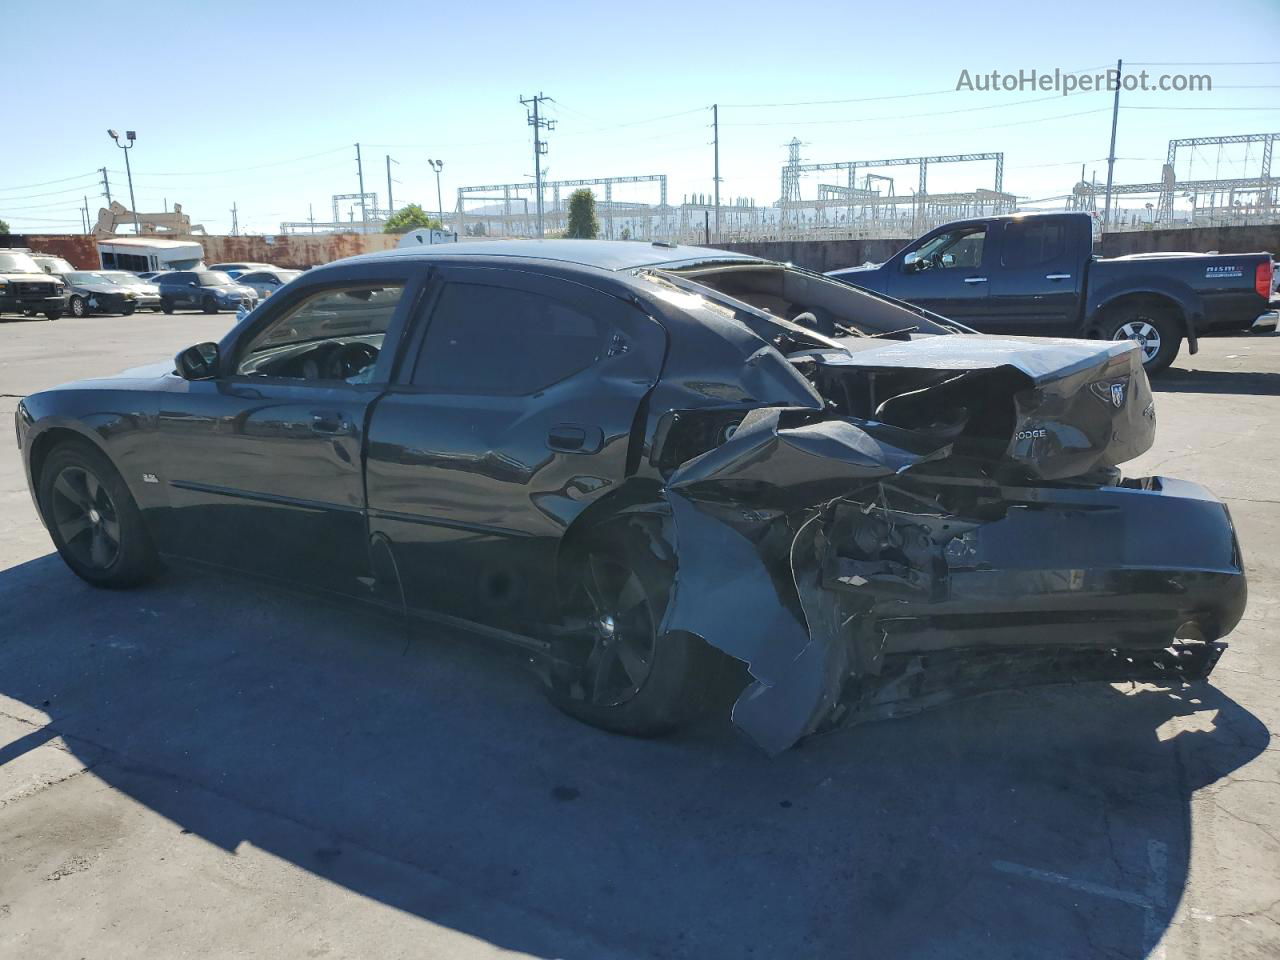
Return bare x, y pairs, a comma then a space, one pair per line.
816, 555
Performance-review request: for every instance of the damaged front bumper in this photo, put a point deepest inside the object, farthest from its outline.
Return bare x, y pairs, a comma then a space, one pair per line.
857, 580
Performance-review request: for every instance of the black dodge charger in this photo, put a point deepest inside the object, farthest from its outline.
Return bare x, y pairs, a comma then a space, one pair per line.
642, 463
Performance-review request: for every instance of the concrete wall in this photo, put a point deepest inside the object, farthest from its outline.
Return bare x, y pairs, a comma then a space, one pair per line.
1264, 237
306, 250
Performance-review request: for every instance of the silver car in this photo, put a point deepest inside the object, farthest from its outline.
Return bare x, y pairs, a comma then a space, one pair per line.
267, 282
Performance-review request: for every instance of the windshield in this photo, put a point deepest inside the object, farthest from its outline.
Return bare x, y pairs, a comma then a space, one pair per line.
18, 263
214, 278
54, 264
89, 276
120, 276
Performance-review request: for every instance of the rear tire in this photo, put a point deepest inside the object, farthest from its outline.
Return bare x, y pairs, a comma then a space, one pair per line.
93, 519
52, 314
128, 309
624, 676
1156, 330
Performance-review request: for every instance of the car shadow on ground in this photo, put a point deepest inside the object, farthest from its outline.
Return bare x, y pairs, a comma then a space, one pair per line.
429, 774
1180, 380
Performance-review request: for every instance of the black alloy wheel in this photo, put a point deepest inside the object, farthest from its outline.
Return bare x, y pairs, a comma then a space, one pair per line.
85, 517
93, 519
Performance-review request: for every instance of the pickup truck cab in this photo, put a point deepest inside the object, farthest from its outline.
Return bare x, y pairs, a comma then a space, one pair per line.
1036, 274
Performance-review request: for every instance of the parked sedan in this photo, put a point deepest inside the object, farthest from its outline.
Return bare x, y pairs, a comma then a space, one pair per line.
636, 463
208, 290
267, 282
105, 291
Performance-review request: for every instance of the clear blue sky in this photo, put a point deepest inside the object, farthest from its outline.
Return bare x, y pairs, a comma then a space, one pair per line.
216, 88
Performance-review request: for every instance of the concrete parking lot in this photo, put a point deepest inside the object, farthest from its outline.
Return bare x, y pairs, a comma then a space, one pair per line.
205, 767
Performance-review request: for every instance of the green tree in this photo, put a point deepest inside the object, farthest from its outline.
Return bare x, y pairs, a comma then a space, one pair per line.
582, 215
4, 226
409, 218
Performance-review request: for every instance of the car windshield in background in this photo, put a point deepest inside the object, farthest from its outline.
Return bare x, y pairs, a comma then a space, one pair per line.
18, 263
89, 276
55, 265
120, 276
215, 278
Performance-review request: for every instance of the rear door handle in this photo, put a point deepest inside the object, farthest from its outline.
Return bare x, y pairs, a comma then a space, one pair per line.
975, 279
1057, 276
572, 438
330, 424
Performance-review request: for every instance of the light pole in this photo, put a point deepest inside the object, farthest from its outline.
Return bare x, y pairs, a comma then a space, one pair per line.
437, 166
130, 136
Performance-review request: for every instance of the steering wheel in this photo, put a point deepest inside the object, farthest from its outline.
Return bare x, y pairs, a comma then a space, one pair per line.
349, 360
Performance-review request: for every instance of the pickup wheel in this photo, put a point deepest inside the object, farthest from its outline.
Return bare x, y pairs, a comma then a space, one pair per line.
93, 519
1156, 331
621, 673
52, 314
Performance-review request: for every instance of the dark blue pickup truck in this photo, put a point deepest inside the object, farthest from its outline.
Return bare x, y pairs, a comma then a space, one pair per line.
1036, 274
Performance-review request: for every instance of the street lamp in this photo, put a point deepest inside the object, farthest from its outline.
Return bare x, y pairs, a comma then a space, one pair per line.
130, 136
437, 166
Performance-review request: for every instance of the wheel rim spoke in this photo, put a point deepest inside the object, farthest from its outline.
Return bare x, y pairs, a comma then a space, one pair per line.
600, 668
99, 548
634, 663
74, 526
65, 488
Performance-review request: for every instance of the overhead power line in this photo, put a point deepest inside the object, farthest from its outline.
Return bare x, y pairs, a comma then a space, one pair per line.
45, 183
900, 116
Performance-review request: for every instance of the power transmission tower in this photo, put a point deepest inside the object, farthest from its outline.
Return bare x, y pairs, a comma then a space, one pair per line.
106, 186
715, 124
364, 214
539, 145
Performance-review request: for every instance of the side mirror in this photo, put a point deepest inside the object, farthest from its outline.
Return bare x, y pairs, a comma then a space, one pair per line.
911, 262
197, 363
948, 259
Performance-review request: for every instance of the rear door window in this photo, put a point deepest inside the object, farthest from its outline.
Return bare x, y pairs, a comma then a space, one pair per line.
500, 341
1030, 243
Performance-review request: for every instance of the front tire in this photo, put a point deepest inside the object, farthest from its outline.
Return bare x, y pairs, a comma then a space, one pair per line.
52, 314
209, 306
93, 519
166, 306
1156, 331
79, 307
128, 309
620, 673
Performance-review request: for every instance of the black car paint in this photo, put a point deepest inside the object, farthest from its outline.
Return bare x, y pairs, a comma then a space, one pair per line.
468, 511
1067, 295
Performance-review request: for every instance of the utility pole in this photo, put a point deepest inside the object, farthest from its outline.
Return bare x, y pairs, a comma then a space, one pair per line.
715, 124
235, 221
86, 214
539, 145
106, 186
364, 214
391, 205
1111, 156
311, 215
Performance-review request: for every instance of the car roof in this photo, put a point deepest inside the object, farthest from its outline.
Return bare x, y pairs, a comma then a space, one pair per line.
611, 255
